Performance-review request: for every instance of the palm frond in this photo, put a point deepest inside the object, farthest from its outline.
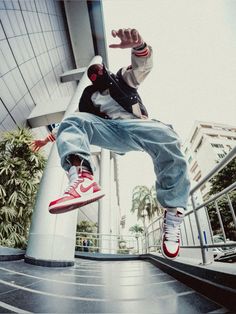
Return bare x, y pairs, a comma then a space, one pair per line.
13, 199
2, 191
144, 199
7, 213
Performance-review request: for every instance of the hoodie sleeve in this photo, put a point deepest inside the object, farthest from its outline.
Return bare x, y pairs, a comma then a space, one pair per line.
86, 104
52, 136
141, 65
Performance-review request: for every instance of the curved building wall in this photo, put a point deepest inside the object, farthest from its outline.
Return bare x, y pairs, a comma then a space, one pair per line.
34, 50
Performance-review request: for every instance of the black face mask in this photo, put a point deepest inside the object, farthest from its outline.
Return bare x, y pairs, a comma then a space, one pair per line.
97, 74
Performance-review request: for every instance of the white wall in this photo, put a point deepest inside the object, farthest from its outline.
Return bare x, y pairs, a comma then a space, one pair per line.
34, 51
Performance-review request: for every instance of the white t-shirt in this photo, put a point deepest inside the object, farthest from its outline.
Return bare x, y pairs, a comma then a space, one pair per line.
107, 104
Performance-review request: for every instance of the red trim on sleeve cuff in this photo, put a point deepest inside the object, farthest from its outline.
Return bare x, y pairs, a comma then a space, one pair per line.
142, 53
51, 137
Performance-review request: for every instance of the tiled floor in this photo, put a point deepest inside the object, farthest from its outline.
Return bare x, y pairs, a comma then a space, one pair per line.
96, 287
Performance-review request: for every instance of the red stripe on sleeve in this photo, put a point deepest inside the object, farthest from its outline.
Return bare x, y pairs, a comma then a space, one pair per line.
51, 138
142, 53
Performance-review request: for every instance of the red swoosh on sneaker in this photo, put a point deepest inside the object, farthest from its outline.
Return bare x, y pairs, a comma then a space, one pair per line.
85, 189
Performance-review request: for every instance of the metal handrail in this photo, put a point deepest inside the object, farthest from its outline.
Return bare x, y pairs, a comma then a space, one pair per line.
215, 170
215, 197
202, 246
105, 234
111, 243
144, 245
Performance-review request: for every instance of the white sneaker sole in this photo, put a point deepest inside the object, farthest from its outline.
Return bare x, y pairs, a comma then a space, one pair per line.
61, 208
163, 253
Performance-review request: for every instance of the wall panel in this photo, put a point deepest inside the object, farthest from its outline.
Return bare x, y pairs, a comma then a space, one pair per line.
34, 51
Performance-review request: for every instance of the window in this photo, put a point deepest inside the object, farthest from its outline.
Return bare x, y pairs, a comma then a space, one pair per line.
221, 155
198, 176
198, 145
217, 145
203, 187
194, 167
229, 137
190, 159
194, 135
206, 126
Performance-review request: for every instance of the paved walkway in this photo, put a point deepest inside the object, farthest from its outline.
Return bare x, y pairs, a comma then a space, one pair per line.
133, 286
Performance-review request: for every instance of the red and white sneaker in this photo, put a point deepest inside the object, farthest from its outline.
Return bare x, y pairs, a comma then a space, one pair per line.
172, 220
82, 190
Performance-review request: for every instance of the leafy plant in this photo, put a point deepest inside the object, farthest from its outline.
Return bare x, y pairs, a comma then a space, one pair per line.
20, 173
223, 179
83, 228
144, 199
136, 229
86, 226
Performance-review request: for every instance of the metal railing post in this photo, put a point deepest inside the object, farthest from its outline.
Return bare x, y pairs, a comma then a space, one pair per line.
220, 221
191, 228
186, 235
203, 251
232, 210
153, 234
209, 224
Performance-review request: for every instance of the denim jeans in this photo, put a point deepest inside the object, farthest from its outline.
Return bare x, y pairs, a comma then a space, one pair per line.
79, 130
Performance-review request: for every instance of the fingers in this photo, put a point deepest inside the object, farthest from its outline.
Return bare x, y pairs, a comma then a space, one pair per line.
129, 38
119, 34
135, 35
34, 148
126, 34
113, 32
35, 145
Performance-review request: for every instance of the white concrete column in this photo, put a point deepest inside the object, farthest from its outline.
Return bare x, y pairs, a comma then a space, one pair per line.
52, 237
104, 204
114, 206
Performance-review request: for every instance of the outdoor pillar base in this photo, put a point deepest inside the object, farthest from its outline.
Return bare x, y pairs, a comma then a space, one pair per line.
48, 263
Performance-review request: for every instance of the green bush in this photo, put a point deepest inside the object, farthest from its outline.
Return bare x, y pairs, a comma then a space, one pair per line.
20, 173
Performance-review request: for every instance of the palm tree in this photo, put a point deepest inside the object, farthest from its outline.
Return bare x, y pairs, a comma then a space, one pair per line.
20, 173
137, 230
144, 201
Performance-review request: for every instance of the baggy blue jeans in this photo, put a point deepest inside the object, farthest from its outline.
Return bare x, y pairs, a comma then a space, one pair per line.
79, 130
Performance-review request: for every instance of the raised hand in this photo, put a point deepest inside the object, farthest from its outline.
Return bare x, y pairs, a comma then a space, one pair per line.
37, 144
129, 38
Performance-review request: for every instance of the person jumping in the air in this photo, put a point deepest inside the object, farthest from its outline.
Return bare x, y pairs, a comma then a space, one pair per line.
113, 116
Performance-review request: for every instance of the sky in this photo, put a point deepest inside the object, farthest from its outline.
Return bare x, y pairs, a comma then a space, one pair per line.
194, 74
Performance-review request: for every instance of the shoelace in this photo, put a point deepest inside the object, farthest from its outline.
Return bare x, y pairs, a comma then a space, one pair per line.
172, 233
72, 185
80, 167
